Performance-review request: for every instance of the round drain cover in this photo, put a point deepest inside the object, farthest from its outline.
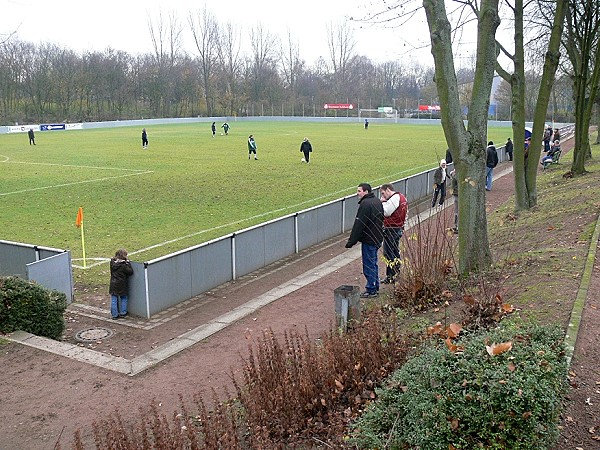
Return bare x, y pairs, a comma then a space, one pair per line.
93, 334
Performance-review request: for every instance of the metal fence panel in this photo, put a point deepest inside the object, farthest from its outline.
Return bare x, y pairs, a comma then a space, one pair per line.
308, 234
53, 273
14, 257
418, 187
169, 282
279, 239
329, 220
249, 251
211, 265
350, 210
137, 291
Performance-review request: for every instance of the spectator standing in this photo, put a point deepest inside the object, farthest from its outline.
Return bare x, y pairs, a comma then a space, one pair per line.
490, 162
439, 183
225, 127
395, 208
252, 147
368, 230
547, 138
454, 178
508, 148
144, 138
306, 148
213, 128
31, 135
556, 136
120, 271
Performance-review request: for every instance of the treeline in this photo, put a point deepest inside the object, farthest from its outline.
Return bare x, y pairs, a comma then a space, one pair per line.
229, 73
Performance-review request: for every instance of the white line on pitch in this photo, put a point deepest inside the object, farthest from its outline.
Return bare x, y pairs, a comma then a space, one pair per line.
94, 180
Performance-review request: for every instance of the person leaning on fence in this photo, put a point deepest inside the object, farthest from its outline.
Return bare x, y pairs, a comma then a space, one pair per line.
439, 183
120, 271
454, 185
368, 230
395, 208
508, 148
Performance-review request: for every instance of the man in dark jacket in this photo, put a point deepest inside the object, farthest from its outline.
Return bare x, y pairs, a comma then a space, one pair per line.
508, 148
306, 148
368, 229
490, 162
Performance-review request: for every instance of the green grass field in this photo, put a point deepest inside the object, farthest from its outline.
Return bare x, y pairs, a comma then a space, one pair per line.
188, 187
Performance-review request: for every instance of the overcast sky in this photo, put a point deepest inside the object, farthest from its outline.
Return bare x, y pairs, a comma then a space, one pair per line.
123, 25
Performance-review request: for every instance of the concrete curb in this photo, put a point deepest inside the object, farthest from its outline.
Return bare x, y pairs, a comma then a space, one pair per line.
582, 293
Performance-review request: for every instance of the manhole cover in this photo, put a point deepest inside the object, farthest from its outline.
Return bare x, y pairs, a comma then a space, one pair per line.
93, 334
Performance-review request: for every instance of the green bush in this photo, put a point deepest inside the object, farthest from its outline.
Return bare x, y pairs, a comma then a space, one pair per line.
466, 400
29, 307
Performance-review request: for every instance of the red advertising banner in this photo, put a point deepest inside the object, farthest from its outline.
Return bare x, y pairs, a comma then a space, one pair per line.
429, 108
338, 106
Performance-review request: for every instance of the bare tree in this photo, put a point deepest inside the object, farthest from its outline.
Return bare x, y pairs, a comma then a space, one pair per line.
230, 66
583, 48
205, 30
341, 43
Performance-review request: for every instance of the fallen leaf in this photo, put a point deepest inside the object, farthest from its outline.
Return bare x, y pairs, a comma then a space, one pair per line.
512, 367
453, 330
507, 308
497, 349
469, 299
339, 385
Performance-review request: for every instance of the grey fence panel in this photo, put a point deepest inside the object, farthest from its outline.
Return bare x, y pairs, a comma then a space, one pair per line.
350, 210
279, 239
169, 282
53, 272
45, 252
211, 265
308, 233
137, 291
329, 220
419, 186
249, 251
14, 258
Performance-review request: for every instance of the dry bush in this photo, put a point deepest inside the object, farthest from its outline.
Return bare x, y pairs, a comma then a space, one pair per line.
427, 251
302, 391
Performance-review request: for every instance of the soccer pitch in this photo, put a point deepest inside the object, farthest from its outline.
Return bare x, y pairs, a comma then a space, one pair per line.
188, 187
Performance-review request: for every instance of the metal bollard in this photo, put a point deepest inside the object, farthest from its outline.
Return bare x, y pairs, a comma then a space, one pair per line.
347, 305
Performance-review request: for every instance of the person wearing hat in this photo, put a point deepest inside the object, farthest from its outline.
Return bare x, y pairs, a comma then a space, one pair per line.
439, 183
306, 148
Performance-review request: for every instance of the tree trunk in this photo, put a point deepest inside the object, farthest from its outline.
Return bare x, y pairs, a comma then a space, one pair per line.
469, 146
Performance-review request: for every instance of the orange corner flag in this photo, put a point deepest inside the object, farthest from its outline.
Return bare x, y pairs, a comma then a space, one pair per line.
79, 219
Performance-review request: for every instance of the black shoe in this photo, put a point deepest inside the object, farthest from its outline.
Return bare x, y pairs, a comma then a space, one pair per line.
123, 315
368, 294
455, 230
115, 317
387, 280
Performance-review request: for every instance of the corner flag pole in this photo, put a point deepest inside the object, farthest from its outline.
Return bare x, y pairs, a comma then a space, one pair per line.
79, 224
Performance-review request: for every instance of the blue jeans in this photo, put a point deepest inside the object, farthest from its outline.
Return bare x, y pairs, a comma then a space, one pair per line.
488, 178
391, 250
370, 268
118, 305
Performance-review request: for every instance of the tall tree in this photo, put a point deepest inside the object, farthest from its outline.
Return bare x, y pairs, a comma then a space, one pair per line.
582, 44
525, 166
205, 30
467, 144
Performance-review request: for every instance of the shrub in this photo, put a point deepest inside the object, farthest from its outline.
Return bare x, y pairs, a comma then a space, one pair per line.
428, 259
471, 399
27, 306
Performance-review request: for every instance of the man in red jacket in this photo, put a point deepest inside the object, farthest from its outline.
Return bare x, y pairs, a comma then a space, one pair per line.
395, 208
